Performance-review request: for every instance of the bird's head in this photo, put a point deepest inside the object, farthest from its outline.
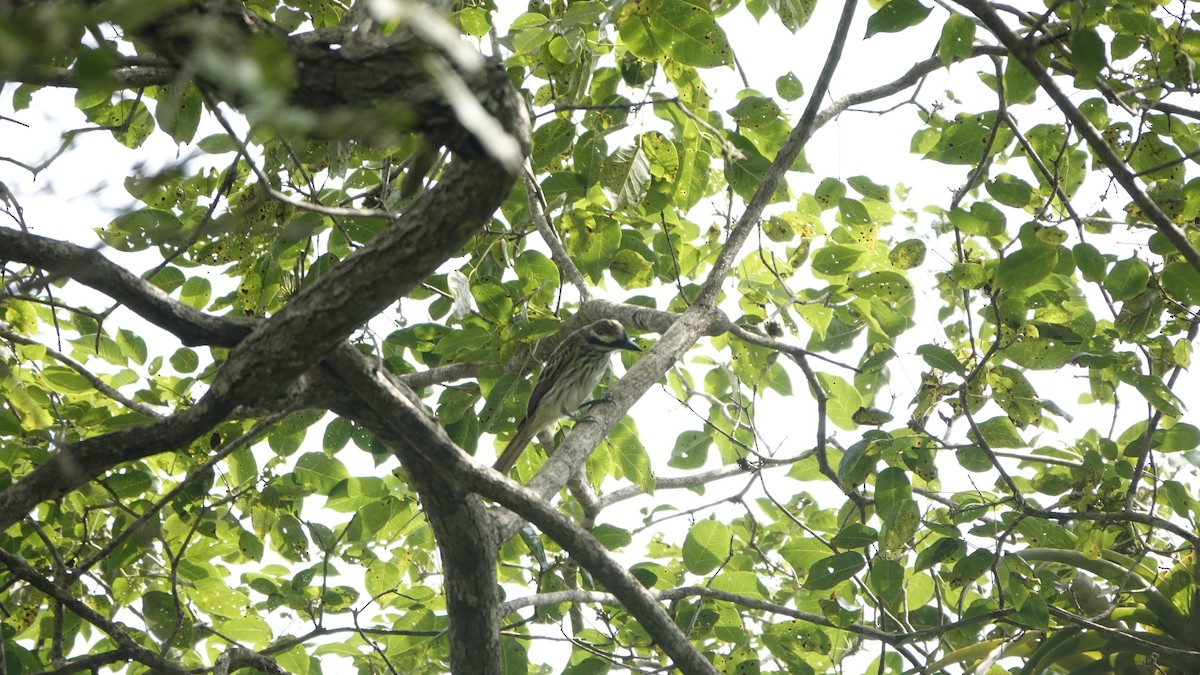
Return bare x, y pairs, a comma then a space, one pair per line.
610, 334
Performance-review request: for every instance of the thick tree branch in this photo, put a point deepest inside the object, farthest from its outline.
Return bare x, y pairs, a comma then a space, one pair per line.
198, 473
263, 366
128, 77
77, 463
419, 431
237, 658
90, 268
465, 535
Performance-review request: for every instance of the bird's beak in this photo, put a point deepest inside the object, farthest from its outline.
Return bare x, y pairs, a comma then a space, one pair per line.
629, 345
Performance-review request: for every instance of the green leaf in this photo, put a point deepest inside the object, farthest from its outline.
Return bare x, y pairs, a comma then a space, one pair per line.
159, 611
612, 537
631, 455
1033, 613
844, 400
132, 346
352, 494
896, 16
945, 548
1015, 396
793, 13
829, 193
168, 279
1181, 281
753, 112
968, 276
139, 230
132, 123
627, 176
745, 174
381, 577
529, 40
252, 630
958, 34
288, 538
66, 380
833, 570
212, 596
687, 33
690, 451
217, 144
337, 435
969, 568
855, 535
1181, 500
185, 360
891, 287
941, 358
998, 432
552, 143
1019, 85
886, 579
869, 189
1127, 279
178, 112
1041, 354
592, 240
900, 525
873, 417
1156, 159
835, 259
891, 488
1157, 393
1009, 190
858, 462
196, 291
474, 21
1024, 268
788, 641
1088, 54
319, 472
907, 254
1090, 263
23, 96
983, 219
1180, 437
789, 87
705, 547
964, 140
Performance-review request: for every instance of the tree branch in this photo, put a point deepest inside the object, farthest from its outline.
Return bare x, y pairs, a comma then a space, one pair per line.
263, 366
1024, 53
420, 432
537, 213
90, 268
791, 148
100, 385
21, 569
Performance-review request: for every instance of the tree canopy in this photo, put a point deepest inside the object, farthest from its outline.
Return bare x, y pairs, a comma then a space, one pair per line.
914, 427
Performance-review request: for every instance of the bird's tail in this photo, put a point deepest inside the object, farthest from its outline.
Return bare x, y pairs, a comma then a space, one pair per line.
508, 459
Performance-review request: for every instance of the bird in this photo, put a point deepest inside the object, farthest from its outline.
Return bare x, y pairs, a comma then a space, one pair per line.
569, 378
